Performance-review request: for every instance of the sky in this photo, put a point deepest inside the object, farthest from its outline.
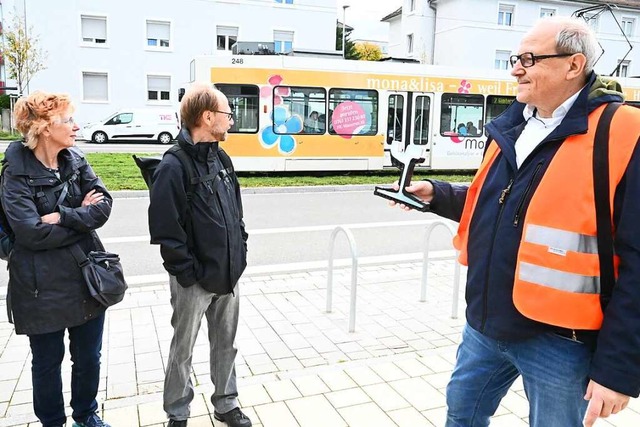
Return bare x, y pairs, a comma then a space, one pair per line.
364, 16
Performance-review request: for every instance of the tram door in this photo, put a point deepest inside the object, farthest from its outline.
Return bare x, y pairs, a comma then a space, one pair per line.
408, 122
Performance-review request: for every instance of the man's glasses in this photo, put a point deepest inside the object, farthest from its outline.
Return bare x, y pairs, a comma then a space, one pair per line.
528, 59
229, 114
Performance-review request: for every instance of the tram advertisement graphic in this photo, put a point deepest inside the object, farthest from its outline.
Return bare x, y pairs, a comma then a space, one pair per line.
348, 119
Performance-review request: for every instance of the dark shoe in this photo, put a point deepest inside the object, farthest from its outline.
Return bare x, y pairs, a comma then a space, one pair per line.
93, 421
233, 418
176, 423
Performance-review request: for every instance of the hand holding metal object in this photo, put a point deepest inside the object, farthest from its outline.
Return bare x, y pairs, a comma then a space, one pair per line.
405, 159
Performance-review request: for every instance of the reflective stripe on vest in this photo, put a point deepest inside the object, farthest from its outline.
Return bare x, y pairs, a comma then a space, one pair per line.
557, 278
561, 243
561, 240
560, 280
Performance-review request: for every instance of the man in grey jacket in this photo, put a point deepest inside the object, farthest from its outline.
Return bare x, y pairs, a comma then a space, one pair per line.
199, 227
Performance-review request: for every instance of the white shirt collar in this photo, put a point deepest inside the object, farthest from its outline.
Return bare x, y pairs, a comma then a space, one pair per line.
558, 113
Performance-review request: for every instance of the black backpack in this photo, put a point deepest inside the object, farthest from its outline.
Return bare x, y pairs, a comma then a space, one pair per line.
148, 166
6, 233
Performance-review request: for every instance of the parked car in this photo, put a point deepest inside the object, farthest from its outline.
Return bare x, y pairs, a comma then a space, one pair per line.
133, 124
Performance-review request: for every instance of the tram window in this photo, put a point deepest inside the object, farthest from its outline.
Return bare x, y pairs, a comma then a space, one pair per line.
496, 105
421, 121
394, 119
309, 104
353, 112
243, 100
462, 114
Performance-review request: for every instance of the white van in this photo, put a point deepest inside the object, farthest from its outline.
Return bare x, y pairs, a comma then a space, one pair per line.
133, 124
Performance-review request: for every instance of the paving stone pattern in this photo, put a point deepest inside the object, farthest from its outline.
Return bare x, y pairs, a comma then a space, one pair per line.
297, 365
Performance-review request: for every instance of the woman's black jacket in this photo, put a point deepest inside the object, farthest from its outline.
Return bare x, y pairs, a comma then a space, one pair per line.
47, 291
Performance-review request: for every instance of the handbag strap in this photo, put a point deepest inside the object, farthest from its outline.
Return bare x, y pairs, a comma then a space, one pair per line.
76, 251
63, 194
79, 255
603, 208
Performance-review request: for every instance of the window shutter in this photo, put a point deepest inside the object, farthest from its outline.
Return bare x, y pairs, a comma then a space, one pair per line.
95, 86
94, 27
158, 30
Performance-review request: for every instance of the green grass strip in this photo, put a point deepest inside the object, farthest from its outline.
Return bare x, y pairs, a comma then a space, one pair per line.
119, 172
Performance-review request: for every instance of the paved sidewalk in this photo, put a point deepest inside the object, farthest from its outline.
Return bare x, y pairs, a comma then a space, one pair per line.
297, 365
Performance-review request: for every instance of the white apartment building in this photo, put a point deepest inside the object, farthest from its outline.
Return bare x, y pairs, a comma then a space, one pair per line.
114, 54
484, 33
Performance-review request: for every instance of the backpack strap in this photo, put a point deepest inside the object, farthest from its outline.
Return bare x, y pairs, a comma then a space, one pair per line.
603, 208
4, 223
226, 161
189, 167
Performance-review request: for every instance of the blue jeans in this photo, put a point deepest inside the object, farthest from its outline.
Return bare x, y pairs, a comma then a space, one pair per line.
554, 371
85, 344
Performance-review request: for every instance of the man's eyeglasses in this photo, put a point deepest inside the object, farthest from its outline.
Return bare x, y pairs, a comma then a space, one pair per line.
229, 114
528, 59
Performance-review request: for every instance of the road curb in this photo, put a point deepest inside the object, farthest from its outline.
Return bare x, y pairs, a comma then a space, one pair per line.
130, 194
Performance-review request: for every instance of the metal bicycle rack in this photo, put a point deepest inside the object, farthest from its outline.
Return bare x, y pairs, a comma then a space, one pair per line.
354, 274
431, 225
425, 266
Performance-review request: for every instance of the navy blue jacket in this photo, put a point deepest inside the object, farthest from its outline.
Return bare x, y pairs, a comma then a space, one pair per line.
496, 230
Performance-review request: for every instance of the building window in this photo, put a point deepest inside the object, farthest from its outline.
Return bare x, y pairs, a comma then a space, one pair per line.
505, 15
95, 86
410, 43
412, 5
226, 37
284, 1
158, 33
94, 29
158, 88
547, 13
628, 25
283, 41
623, 69
502, 60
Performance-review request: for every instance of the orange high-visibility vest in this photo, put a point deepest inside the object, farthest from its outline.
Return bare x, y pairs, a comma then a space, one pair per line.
557, 277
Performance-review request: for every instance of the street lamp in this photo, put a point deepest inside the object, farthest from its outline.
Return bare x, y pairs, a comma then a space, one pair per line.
344, 31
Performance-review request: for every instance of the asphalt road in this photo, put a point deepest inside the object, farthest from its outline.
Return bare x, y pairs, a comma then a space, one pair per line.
284, 228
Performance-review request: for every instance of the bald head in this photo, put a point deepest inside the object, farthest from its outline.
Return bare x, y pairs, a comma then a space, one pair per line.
571, 35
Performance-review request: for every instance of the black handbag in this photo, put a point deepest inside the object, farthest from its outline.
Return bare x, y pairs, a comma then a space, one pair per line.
103, 274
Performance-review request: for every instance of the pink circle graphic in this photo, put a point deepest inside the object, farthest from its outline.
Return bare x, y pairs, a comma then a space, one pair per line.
348, 119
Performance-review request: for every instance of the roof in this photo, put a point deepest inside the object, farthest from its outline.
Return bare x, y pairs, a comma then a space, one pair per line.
347, 27
392, 15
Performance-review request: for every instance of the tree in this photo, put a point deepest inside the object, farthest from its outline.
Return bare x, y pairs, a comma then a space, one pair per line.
22, 53
368, 51
351, 47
